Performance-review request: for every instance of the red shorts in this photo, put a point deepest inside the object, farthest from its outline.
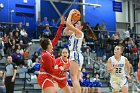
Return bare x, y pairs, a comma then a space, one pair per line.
61, 83
45, 81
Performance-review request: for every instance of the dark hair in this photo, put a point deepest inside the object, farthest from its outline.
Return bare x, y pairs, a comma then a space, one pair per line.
44, 42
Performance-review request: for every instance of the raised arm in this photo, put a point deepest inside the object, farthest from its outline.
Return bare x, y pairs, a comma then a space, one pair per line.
67, 31
58, 34
70, 24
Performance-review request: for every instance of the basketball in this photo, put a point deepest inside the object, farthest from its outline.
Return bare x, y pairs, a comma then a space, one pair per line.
76, 16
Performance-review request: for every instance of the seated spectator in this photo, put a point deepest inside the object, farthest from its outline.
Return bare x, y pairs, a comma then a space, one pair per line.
24, 37
84, 82
5, 42
26, 54
45, 22
35, 67
29, 63
47, 32
23, 33
96, 84
35, 55
134, 49
17, 38
53, 23
18, 58
88, 58
20, 49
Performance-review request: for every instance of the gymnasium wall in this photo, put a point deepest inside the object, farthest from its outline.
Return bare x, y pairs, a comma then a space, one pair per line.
48, 11
23, 12
104, 14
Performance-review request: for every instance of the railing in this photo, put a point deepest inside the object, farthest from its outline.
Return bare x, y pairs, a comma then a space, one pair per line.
25, 78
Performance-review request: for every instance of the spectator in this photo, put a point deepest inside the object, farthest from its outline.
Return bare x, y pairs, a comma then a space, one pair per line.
35, 66
5, 42
29, 63
97, 84
47, 32
26, 54
126, 34
24, 37
45, 22
88, 57
38, 27
18, 58
20, 26
53, 23
2, 86
17, 38
10, 43
9, 75
20, 49
1, 48
23, 33
35, 55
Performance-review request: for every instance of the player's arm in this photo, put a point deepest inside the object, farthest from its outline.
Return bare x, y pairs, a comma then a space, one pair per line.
127, 64
49, 64
15, 72
58, 34
67, 31
110, 68
70, 25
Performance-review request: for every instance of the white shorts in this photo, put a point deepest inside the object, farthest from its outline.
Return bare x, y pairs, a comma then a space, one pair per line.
78, 57
117, 83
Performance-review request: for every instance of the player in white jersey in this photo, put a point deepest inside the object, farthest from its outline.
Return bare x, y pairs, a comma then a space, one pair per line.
75, 43
119, 69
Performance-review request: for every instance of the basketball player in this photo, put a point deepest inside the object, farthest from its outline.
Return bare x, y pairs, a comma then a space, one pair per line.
75, 43
64, 62
119, 69
48, 68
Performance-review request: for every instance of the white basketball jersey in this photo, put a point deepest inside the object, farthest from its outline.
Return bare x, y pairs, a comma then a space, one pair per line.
75, 43
120, 70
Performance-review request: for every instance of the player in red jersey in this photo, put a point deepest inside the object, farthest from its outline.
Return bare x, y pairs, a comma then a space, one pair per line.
64, 62
48, 65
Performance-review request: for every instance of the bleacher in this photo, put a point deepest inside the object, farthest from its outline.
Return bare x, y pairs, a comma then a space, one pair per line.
27, 82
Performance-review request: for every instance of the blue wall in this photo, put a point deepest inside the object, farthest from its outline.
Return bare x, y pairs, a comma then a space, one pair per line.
48, 11
26, 13
103, 14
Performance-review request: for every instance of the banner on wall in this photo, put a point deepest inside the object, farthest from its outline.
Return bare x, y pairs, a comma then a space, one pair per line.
117, 6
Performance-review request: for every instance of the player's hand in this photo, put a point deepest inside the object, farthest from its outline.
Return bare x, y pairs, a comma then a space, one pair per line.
61, 68
116, 65
62, 20
73, 22
12, 80
129, 77
56, 67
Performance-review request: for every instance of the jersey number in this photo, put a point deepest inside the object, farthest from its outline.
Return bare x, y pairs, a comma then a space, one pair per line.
118, 70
